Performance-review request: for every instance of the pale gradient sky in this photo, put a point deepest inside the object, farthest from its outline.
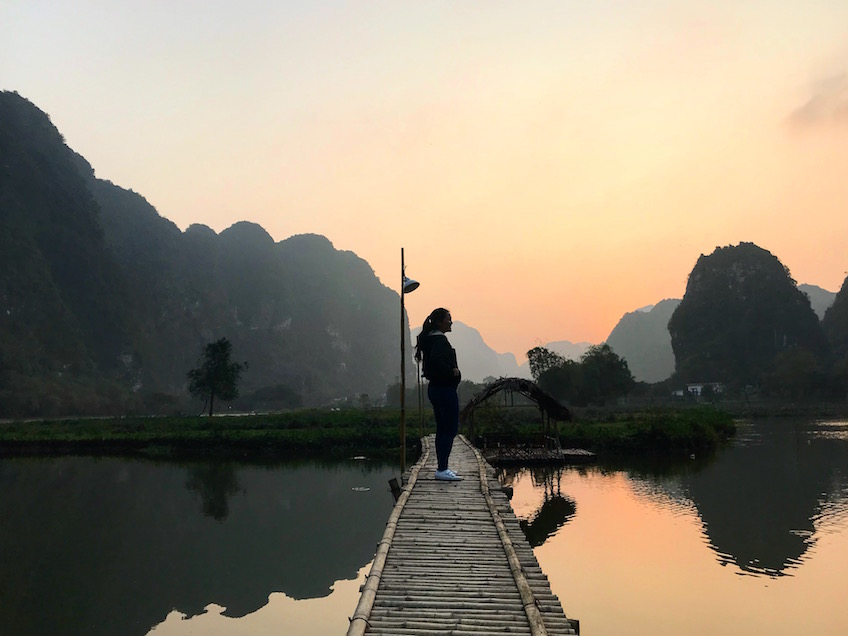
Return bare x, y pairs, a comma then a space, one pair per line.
548, 166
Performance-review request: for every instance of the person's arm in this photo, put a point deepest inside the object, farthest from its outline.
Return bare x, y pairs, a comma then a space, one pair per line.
442, 361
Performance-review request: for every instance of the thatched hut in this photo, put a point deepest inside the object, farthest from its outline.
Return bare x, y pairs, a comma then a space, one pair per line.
551, 410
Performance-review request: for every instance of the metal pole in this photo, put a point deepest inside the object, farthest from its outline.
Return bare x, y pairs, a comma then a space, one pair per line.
420, 401
402, 375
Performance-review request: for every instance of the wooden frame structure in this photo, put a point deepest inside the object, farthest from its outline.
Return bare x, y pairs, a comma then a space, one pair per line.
551, 410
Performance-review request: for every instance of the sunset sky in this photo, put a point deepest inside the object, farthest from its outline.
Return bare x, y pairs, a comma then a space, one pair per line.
547, 166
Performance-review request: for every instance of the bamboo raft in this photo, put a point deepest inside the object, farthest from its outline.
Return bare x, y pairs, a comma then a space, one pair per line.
453, 560
524, 455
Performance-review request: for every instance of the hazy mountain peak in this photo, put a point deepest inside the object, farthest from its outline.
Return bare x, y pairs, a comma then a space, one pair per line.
477, 360
820, 299
642, 339
199, 229
569, 350
312, 241
247, 233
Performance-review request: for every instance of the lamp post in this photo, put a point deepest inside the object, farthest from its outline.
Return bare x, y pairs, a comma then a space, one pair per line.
420, 400
406, 285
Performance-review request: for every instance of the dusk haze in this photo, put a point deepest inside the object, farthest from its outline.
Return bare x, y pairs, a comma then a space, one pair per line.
423, 317
547, 166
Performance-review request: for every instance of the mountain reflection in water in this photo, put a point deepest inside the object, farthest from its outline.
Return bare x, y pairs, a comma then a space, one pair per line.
760, 501
111, 546
753, 539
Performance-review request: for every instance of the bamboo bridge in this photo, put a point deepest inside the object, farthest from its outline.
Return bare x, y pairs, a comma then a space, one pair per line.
453, 560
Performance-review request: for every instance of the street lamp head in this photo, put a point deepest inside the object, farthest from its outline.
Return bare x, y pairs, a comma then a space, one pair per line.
409, 285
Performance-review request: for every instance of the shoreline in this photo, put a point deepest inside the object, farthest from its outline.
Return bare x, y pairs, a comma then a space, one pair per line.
352, 432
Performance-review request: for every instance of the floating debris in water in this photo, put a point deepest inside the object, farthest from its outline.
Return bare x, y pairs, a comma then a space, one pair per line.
360, 489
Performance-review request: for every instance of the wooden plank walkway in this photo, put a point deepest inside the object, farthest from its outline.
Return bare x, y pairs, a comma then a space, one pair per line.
453, 560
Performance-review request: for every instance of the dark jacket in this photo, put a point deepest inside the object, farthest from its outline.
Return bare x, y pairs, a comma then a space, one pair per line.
439, 360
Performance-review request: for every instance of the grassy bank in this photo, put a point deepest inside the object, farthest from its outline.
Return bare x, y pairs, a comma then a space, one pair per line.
372, 432
661, 432
615, 432
308, 432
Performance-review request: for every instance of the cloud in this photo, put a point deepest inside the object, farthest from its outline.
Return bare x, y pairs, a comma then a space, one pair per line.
827, 105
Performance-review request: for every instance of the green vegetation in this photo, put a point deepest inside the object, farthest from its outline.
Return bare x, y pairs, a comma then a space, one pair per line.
614, 432
314, 432
600, 375
217, 376
355, 431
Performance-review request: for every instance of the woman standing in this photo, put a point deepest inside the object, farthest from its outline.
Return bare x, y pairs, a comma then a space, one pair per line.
441, 369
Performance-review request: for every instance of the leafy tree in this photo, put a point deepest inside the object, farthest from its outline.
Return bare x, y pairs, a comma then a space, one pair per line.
604, 374
601, 374
542, 359
796, 374
563, 381
217, 376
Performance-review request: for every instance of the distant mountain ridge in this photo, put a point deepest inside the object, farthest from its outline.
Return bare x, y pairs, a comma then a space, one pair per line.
641, 337
476, 359
820, 299
569, 350
105, 305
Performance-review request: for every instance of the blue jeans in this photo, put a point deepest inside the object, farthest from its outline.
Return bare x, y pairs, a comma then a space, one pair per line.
445, 403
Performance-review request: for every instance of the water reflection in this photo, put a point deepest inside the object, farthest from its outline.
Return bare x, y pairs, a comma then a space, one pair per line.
755, 537
282, 615
552, 512
215, 482
112, 546
760, 500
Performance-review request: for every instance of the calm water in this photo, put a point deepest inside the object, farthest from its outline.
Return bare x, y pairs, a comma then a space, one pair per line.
119, 547
752, 541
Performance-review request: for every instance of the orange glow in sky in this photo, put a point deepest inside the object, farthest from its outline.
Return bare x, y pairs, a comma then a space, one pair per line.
547, 166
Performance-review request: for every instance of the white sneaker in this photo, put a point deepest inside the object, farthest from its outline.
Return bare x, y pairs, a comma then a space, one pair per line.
447, 475
453, 473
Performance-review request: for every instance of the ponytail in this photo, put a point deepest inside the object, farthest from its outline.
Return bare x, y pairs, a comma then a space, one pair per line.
429, 327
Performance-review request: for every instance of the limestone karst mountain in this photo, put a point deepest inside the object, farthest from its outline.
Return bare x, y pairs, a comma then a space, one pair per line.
740, 312
835, 325
105, 304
